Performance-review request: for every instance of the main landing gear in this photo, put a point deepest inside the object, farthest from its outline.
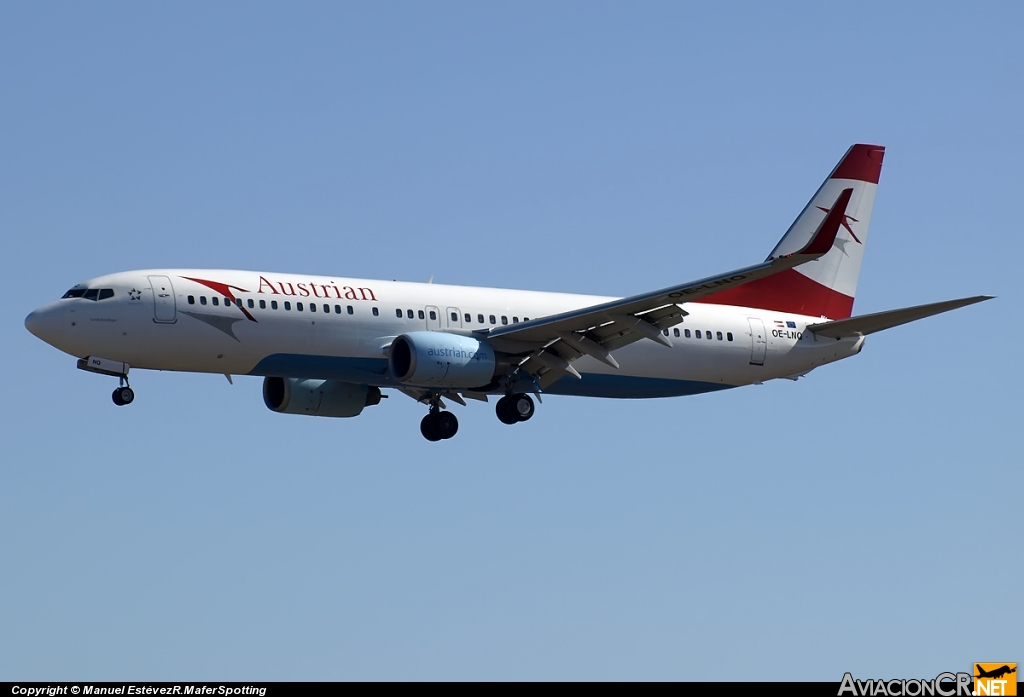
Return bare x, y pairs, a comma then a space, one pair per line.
514, 408
442, 425
438, 425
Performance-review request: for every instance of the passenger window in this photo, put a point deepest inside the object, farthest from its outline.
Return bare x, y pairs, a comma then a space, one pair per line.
92, 294
728, 335
526, 319
202, 299
676, 332
421, 314
455, 317
686, 333
504, 319
665, 332
238, 301
698, 335
263, 304
312, 307
469, 318
493, 320
375, 312
327, 308
273, 304
191, 300
480, 319
719, 335
351, 310
709, 335
398, 313
337, 309
251, 304
408, 313
106, 293
287, 305
515, 320
433, 315
227, 301
298, 307
215, 300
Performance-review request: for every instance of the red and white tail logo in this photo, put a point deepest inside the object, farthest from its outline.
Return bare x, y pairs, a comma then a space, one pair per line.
825, 287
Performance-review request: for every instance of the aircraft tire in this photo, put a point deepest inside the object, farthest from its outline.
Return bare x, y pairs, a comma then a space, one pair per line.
429, 429
123, 396
522, 406
505, 409
446, 424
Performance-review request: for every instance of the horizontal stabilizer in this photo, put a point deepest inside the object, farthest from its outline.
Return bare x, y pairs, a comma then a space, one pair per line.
869, 324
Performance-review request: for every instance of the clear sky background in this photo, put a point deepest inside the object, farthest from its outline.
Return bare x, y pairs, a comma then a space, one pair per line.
864, 519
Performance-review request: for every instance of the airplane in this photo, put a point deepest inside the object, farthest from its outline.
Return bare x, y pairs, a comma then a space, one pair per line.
995, 673
327, 346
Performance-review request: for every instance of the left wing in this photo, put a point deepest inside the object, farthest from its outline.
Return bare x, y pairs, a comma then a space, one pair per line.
549, 345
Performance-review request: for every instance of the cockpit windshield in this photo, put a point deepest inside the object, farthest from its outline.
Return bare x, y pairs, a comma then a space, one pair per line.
90, 293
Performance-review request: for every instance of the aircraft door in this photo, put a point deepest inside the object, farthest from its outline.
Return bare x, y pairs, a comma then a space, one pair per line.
453, 318
433, 319
164, 306
758, 341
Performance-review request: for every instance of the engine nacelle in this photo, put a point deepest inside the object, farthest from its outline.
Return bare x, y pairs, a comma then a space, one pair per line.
440, 359
318, 397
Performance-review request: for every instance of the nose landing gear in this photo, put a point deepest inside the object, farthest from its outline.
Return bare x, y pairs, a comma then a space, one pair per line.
514, 408
124, 394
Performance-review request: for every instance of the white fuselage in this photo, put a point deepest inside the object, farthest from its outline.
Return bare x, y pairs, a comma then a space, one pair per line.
287, 325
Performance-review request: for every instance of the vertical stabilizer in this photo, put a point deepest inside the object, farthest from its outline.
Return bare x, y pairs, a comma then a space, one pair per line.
825, 287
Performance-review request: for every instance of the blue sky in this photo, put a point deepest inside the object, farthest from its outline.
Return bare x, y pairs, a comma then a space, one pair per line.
861, 519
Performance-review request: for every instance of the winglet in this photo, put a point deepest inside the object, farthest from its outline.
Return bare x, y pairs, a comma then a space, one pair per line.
825, 236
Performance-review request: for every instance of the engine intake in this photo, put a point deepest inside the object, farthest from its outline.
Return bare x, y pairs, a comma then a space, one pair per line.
440, 359
318, 397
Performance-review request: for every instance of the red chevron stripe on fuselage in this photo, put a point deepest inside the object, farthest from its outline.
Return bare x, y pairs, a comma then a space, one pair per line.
225, 290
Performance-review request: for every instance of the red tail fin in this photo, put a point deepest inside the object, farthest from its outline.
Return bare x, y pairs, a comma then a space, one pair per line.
825, 287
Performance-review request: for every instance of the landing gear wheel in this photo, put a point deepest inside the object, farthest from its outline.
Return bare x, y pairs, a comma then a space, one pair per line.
506, 411
522, 405
439, 425
123, 396
428, 427
447, 424
514, 408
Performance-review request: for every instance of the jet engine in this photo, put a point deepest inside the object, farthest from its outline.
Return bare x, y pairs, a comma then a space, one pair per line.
318, 397
440, 359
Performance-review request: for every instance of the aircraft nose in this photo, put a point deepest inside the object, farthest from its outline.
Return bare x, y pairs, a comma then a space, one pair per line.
43, 323
34, 323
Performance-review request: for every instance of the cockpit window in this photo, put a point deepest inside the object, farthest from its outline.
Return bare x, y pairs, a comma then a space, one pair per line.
90, 293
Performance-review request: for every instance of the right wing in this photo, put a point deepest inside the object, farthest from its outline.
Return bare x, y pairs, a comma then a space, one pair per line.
548, 345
